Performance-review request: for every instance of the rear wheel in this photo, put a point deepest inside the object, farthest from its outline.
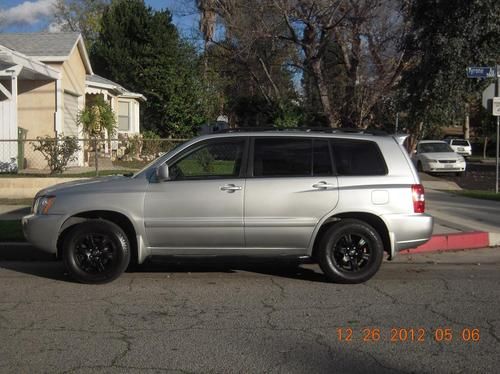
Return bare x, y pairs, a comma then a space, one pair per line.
96, 252
351, 251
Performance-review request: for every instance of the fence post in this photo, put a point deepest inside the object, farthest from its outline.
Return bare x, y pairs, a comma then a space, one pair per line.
96, 158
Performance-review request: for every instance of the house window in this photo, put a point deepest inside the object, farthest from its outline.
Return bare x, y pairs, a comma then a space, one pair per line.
123, 116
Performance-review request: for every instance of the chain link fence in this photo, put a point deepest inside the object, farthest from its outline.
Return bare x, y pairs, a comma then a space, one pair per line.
86, 157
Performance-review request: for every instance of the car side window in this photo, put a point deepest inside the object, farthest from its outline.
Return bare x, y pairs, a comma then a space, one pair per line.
358, 157
221, 159
291, 157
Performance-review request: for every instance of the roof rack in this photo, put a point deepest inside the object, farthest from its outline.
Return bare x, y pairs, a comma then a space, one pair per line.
328, 130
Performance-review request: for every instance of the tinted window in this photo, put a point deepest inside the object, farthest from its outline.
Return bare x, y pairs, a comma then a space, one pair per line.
213, 160
358, 157
464, 143
292, 157
282, 157
321, 159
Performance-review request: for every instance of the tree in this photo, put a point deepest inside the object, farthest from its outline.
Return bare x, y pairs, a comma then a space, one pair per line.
97, 118
445, 38
346, 51
83, 16
140, 48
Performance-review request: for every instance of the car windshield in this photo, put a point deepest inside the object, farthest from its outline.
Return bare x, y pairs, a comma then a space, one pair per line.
434, 147
463, 143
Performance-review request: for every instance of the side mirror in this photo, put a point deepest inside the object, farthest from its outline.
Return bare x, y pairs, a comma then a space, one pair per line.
162, 173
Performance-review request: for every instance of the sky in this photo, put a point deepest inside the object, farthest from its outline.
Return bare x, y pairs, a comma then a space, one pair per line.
36, 15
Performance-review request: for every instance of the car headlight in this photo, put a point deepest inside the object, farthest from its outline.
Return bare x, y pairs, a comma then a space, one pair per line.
43, 204
432, 161
461, 159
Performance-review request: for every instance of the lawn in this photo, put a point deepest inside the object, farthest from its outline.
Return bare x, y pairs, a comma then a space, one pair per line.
485, 195
11, 231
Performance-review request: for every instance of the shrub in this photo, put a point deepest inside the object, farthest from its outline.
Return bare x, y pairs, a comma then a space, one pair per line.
58, 152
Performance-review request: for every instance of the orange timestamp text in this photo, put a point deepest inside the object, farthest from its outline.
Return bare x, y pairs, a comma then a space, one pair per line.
408, 334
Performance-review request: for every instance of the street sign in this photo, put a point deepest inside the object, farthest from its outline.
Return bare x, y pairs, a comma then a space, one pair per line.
481, 72
488, 94
495, 107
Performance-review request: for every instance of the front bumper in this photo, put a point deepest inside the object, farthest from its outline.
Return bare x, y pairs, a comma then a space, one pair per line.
408, 230
43, 230
445, 168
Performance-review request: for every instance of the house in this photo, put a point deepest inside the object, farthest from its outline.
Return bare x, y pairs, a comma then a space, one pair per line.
45, 80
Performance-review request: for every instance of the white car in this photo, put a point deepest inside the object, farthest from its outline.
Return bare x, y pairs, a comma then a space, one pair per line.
436, 156
461, 146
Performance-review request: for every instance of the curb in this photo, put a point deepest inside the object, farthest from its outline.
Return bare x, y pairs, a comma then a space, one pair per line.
457, 241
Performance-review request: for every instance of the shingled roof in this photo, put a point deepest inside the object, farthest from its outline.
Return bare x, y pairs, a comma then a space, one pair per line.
41, 43
46, 46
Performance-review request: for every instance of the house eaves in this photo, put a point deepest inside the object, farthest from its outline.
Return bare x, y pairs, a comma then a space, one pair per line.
20, 64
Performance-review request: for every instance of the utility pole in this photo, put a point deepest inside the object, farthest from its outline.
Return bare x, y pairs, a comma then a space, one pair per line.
397, 123
497, 94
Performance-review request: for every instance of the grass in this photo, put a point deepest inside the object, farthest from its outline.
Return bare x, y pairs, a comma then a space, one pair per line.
11, 231
25, 202
476, 194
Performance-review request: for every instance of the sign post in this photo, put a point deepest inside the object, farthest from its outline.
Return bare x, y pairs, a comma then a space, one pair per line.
490, 72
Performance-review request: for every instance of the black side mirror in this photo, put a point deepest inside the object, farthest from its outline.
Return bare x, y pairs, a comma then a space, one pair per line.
162, 173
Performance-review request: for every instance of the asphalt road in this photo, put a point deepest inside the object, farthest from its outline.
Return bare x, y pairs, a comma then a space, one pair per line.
255, 318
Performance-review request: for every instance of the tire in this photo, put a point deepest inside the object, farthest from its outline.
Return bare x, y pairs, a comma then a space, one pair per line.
96, 252
419, 167
363, 259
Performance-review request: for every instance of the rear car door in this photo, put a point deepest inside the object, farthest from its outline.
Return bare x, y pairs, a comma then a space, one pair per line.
290, 187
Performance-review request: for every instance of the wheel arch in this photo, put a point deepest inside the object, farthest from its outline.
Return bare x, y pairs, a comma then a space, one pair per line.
373, 220
117, 218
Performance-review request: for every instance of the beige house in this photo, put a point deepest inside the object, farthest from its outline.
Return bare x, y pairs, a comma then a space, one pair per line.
45, 79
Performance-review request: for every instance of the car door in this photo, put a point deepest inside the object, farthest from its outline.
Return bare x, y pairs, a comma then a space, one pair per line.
200, 208
290, 187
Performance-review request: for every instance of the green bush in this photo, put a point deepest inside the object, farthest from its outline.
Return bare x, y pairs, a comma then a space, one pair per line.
58, 152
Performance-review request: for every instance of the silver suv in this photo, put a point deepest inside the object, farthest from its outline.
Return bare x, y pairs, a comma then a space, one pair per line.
341, 199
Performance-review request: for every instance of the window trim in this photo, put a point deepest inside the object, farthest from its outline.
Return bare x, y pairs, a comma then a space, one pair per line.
251, 156
194, 147
129, 116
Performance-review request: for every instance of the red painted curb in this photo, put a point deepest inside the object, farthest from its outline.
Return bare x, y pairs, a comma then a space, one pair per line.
452, 242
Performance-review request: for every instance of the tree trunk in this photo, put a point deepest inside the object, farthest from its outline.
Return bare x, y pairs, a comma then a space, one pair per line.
323, 92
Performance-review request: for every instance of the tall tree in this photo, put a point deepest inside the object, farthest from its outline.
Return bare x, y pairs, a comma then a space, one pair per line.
447, 37
140, 48
82, 16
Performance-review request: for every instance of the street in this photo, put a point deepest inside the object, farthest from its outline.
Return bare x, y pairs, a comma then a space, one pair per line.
434, 313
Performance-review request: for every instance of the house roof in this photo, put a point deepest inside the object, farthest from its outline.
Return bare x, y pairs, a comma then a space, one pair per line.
13, 63
47, 46
101, 82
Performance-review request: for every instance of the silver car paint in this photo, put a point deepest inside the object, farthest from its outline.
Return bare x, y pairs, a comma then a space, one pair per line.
268, 216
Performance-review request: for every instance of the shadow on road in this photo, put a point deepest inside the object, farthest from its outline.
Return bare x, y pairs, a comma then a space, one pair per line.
287, 269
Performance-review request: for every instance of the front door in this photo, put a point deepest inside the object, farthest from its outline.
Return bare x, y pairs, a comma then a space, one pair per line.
200, 209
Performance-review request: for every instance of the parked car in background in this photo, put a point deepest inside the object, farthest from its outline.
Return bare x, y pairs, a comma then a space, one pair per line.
436, 156
460, 146
341, 199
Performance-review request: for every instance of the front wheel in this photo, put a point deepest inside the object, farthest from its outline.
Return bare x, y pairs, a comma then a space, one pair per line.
351, 251
96, 252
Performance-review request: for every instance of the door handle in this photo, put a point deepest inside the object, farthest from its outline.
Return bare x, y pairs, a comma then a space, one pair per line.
230, 188
323, 185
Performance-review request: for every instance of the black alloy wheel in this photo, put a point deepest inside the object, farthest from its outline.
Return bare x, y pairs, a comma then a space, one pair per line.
96, 251
351, 251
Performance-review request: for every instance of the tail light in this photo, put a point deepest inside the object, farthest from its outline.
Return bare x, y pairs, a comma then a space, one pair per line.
417, 192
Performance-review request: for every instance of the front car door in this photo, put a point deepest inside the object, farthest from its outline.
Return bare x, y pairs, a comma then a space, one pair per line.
290, 187
199, 210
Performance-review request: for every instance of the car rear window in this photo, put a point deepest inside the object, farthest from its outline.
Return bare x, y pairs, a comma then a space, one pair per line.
358, 157
464, 143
